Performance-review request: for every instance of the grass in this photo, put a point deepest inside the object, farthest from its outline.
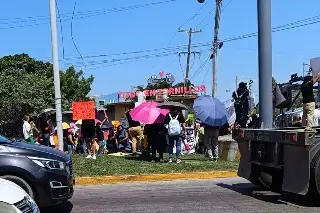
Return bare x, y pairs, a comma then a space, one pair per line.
106, 165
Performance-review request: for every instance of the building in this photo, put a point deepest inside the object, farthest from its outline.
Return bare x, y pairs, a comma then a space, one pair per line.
117, 104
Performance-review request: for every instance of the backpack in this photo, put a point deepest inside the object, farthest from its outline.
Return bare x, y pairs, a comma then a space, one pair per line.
174, 128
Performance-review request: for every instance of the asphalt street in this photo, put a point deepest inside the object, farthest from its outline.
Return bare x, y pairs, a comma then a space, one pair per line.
230, 195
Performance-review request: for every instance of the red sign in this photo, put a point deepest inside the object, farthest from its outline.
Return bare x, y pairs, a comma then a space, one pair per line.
168, 91
83, 110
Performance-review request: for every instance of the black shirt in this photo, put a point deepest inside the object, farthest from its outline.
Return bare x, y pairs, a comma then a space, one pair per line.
241, 95
99, 133
131, 122
111, 137
307, 92
154, 129
46, 128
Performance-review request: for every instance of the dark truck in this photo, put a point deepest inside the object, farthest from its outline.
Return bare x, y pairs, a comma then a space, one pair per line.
283, 160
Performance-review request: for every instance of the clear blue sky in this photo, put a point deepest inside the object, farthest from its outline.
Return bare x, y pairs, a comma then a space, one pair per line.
153, 27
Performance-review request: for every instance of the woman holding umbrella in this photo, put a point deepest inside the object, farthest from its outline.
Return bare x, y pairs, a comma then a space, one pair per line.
213, 115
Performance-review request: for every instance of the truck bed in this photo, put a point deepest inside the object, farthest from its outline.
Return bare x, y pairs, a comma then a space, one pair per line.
289, 135
287, 154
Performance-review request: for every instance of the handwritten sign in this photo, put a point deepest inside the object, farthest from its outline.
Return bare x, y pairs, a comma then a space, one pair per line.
188, 145
83, 110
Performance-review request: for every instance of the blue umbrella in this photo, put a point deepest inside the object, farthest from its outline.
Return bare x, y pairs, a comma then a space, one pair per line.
210, 111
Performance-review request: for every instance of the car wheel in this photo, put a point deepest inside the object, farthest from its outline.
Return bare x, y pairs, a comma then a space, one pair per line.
20, 182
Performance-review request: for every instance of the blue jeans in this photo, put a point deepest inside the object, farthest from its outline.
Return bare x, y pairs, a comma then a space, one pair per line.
84, 147
102, 144
174, 140
70, 149
46, 139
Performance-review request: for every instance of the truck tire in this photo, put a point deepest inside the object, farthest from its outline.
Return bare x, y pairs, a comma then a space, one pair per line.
266, 180
270, 180
314, 184
255, 176
20, 182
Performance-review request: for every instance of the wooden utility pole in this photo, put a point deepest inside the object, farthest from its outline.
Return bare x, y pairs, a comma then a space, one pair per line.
190, 32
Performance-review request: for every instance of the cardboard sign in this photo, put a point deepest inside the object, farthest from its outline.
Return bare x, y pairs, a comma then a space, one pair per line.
189, 143
83, 110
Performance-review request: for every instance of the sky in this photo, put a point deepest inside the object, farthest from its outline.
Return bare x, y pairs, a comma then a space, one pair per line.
122, 44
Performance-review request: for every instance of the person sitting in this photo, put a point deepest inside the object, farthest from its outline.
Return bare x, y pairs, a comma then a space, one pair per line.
255, 123
123, 140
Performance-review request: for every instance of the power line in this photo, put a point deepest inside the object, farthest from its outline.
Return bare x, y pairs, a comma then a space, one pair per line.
176, 33
222, 10
199, 70
72, 38
171, 49
275, 29
195, 15
68, 16
206, 44
61, 30
205, 76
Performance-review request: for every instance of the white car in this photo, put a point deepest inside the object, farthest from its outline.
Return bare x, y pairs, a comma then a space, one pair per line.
13, 199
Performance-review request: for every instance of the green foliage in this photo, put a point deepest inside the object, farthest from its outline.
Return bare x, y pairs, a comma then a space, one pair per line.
26, 87
74, 86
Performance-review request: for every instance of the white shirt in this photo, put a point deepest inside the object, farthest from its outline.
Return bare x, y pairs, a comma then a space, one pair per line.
26, 130
316, 117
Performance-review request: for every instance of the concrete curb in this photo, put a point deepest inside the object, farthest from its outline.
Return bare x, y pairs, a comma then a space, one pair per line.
153, 177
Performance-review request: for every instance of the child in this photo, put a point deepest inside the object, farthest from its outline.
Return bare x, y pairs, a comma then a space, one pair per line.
201, 146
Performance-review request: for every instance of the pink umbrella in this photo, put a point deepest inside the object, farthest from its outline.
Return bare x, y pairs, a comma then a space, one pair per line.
149, 113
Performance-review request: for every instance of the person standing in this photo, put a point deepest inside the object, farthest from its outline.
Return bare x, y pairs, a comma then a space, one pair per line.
156, 139
211, 137
241, 104
27, 131
46, 133
71, 143
135, 132
308, 101
316, 116
176, 127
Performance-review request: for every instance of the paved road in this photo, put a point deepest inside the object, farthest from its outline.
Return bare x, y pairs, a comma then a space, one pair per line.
232, 195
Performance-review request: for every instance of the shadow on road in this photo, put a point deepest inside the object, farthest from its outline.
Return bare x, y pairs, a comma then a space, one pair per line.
62, 208
267, 196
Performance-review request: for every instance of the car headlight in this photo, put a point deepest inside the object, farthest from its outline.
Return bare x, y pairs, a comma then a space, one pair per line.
5, 207
50, 164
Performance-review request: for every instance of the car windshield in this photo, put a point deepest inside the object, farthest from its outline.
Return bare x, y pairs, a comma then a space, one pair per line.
4, 140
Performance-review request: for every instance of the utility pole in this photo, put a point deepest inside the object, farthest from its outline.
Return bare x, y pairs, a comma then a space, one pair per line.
216, 45
265, 62
190, 32
236, 83
56, 72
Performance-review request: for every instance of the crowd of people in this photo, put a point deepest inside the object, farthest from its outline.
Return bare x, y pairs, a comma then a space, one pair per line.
131, 138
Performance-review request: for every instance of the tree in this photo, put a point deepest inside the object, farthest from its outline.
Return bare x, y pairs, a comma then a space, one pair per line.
26, 87
74, 86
